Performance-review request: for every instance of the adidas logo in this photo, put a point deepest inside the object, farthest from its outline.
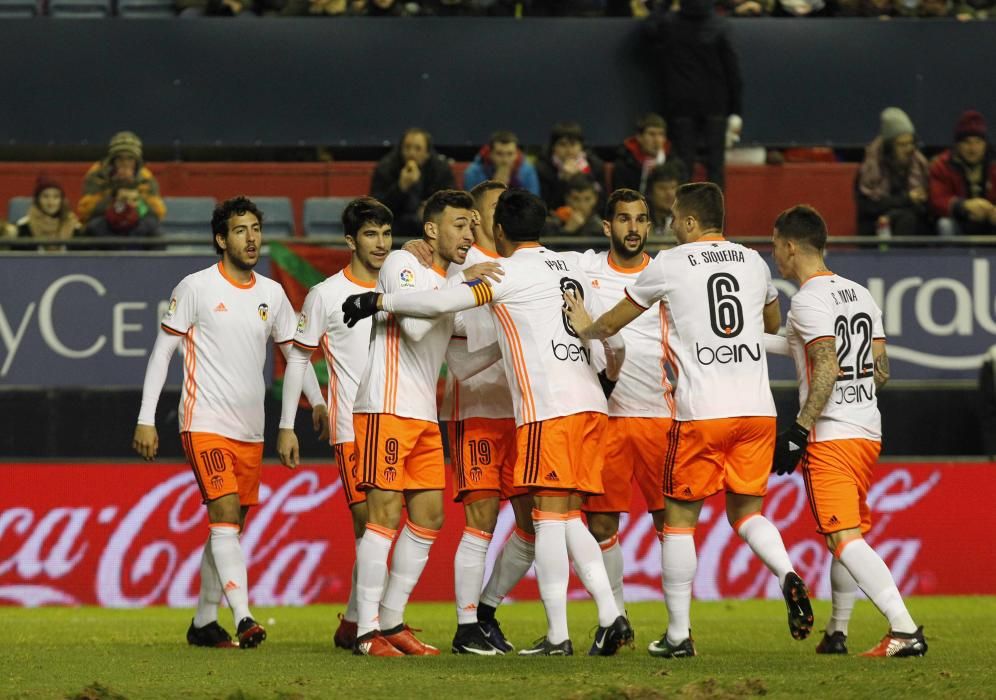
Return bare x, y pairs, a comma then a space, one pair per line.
687, 491
231, 586
833, 520
469, 607
552, 476
221, 306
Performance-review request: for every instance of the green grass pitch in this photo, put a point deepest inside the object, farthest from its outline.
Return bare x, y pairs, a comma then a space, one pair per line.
744, 651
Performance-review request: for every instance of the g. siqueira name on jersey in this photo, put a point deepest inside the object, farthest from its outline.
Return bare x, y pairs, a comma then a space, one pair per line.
718, 256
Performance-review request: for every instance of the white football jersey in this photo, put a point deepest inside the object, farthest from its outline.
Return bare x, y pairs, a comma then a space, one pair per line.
549, 369
401, 373
644, 390
320, 325
227, 327
486, 394
830, 306
713, 293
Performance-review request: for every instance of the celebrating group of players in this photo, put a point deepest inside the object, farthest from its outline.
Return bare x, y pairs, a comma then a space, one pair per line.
558, 398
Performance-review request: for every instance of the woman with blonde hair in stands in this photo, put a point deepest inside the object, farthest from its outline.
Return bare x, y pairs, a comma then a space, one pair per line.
49, 215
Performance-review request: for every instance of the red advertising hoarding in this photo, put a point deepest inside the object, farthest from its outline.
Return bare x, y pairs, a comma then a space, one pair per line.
131, 535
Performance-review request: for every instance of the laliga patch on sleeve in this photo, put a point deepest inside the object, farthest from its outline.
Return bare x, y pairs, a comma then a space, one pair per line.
171, 310
302, 322
407, 278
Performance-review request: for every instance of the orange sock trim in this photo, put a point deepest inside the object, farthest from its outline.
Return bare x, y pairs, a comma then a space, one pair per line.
543, 515
840, 547
609, 543
524, 536
486, 536
231, 525
736, 525
385, 532
678, 530
422, 532
571, 514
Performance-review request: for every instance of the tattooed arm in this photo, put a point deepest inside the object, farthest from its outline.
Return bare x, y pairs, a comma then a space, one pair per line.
881, 363
822, 354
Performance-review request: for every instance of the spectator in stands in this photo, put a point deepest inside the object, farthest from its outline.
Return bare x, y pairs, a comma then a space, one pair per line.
579, 215
407, 176
892, 184
502, 160
963, 181
127, 215
235, 8
936, 8
49, 215
123, 167
701, 82
802, 8
747, 8
662, 188
641, 153
565, 158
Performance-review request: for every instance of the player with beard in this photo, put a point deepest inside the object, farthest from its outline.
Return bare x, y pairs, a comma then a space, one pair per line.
224, 316
367, 225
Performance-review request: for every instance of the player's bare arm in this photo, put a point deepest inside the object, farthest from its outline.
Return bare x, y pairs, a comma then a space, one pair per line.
881, 363
822, 354
608, 324
772, 317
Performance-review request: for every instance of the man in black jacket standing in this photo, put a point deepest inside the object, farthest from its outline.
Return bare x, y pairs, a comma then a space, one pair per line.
702, 87
407, 176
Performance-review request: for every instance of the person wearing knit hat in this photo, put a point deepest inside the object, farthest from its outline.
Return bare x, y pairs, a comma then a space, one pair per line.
891, 192
49, 215
123, 164
963, 181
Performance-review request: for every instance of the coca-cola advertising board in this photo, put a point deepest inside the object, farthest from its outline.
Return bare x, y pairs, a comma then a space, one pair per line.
131, 535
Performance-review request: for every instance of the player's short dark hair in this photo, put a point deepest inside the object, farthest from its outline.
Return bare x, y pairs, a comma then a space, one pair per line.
362, 211
521, 215
671, 170
626, 196
803, 224
236, 206
581, 182
704, 201
482, 188
503, 136
437, 203
566, 130
649, 120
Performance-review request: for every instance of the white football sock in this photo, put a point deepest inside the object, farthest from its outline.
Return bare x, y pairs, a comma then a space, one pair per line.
875, 579
211, 592
410, 556
766, 542
511, 565
371, 572
230, 564
587, 557
678, 564
468, 573
612, 557
843, 591
553, 569
350, 614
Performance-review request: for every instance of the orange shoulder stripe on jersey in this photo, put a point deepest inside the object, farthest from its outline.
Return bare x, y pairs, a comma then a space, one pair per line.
634, 301
171, 331
304, 346
518, 363
332, 400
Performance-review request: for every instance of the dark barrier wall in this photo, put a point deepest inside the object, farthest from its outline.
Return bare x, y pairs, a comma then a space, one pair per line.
362, 81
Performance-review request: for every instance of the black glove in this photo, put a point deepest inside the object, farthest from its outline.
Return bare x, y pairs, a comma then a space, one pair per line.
607, 384
358, 307
789, 448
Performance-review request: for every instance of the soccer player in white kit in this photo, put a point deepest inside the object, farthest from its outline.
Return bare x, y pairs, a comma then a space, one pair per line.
836, 338
641, 406
225, 316
560, 408
367, 226
718, 300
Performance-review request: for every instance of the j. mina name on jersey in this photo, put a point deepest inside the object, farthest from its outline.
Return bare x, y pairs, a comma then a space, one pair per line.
843, 296
718, 256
